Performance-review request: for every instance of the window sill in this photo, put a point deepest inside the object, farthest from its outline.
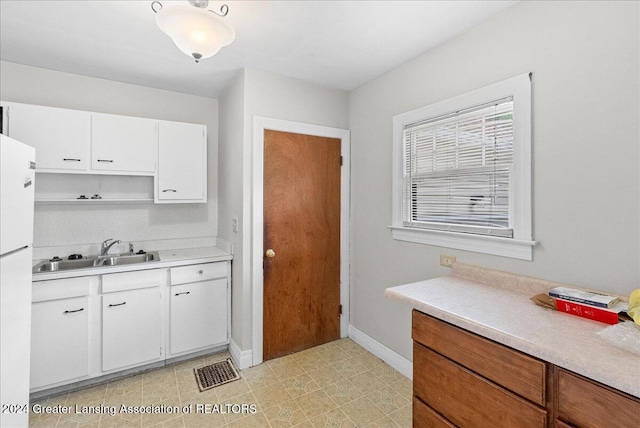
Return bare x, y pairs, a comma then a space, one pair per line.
506, 247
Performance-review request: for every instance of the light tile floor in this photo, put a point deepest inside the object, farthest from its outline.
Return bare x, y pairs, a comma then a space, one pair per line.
338, 384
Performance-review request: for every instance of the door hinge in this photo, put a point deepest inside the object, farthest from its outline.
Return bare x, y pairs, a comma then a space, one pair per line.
340, 310
341, 160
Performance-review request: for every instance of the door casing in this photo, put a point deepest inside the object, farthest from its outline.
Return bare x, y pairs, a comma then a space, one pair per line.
259, 126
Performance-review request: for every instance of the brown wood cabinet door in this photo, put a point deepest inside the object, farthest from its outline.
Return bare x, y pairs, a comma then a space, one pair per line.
466, 399
507, 367
425, 417
301, 242
586, 404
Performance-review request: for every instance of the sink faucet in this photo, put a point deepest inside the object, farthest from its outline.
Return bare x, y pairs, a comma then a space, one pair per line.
104, 248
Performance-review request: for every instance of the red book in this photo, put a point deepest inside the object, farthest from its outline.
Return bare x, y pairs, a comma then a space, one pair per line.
609, 316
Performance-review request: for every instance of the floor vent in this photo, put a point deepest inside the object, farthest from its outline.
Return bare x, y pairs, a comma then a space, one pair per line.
216, 374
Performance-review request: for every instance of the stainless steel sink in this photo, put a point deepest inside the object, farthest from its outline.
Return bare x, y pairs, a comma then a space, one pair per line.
96, 261
127, 259
64, 265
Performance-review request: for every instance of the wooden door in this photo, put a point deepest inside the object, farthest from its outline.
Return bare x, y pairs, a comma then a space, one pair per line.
302, 227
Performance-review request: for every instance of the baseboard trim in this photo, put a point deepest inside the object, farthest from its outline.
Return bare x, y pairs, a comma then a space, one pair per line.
242, 359
387, 355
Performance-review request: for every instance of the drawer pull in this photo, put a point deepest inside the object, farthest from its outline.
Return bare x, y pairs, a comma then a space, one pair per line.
184, 292
71, 159
105, 160
71, 312
118, 304
200, 272
170, 190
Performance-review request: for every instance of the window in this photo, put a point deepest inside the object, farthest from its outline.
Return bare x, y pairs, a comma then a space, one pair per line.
462, 171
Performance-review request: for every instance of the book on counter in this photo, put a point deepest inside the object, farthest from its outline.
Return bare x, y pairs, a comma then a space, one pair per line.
585, 297
605, 315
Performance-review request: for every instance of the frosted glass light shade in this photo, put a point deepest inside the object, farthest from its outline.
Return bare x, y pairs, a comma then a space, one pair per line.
196, 32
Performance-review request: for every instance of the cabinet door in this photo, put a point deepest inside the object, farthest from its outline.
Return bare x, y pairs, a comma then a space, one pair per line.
182, 163
130, 328
122, 143
198, 315
60, 136
59, 341
588, 404
466, 399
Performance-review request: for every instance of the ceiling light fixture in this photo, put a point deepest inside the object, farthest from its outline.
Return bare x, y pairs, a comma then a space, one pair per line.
196, 31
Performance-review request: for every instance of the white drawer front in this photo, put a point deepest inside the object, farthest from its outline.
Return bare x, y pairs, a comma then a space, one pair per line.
195, 273
61, 288
132, 280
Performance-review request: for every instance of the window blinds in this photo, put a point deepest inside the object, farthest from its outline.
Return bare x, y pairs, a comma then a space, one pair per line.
457, 170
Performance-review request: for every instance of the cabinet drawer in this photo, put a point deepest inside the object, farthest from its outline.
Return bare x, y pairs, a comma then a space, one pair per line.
195, 273
509, 368
466, 399
61, 288
585, 403
425, 417
132, 280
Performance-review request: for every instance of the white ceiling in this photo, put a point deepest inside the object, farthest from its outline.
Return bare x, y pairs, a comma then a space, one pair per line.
339, 44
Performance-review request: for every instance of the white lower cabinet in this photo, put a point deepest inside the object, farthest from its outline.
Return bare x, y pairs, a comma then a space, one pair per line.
59, 341
198, 315
85, 327
131, 328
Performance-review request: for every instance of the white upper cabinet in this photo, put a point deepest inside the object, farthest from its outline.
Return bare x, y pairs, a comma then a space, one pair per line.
123, 143
182, 163
72, 142
60, 136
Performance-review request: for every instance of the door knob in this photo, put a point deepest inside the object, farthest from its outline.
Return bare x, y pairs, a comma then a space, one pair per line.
270, 253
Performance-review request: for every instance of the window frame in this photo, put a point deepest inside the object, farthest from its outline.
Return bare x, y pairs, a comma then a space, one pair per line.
521, 245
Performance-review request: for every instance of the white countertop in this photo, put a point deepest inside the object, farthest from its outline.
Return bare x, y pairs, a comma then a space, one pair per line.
509, 317
168, 258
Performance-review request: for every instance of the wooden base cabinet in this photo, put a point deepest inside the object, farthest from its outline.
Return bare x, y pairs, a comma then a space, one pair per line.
461, 379
584, 403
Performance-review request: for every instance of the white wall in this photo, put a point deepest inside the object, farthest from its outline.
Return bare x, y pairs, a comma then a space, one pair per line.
230, 175
267, 95
69, 225
585, 62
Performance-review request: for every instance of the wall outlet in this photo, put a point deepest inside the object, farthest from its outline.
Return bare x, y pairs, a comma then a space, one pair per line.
447, 261
234, 225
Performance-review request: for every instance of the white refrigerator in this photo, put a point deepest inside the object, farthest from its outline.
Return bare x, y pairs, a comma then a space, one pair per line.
17, 177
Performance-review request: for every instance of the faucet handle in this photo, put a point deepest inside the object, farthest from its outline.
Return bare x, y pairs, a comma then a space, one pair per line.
131, 251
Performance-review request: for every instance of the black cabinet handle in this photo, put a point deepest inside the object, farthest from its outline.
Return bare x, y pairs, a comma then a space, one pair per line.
71, 159
105, 160
170, 190
118, 304
70, 312
184, 292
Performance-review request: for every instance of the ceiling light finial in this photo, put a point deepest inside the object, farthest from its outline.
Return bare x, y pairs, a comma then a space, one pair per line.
199, 3
196, 31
